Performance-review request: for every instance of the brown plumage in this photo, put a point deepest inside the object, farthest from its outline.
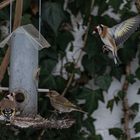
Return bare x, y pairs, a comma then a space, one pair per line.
8, 106
62, 104
117, 35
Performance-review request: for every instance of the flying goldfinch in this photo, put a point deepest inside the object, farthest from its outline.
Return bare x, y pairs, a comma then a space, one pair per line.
115, 36
62, 104
8, 106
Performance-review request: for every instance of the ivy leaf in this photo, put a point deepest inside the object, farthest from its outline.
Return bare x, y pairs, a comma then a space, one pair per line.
110, 104
125, 54
52, 14
88, 123
103, 7
69, 67
49, 82
95, 137
131, 78
138, 91
138, 73
91, 103
50, 64
103, 81
121, 95
60, 82
137, 127
4, 15
91, 99
117, 72
91, 48
135, 107
87, 63
91, 65
116, 99
50, 52
26, 19
26, 5
136, 138
115, 4
63, 38
99, 95
84, 93
116, 132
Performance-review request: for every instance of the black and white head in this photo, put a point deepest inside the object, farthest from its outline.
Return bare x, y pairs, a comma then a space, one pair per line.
8, 113
98, 29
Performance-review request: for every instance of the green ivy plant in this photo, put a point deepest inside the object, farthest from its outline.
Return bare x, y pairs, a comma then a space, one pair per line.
94, 62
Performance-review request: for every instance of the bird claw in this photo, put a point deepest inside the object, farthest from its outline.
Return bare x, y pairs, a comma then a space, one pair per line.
105, 48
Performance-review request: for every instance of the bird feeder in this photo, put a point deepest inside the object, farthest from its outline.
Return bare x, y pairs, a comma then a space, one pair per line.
25, 42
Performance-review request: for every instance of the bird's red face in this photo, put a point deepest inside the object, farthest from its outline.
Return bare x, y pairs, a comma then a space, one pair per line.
99, 29
95, 30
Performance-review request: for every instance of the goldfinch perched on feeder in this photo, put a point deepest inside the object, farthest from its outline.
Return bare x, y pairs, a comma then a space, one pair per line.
117, 35
62, 104
8, 106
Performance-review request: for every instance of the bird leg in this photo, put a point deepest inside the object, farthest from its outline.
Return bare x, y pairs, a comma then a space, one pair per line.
54, 114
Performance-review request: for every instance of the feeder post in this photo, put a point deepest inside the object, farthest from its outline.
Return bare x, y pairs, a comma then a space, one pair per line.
23, 68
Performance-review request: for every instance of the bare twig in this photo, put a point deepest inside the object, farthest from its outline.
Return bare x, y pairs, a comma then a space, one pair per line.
85, 41
86, 33
68, 84
126, 105
5, 3
4, 64
17, 22
81, 51
18, 14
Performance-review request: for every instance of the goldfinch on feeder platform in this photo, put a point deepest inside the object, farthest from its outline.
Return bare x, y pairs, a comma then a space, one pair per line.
8, 106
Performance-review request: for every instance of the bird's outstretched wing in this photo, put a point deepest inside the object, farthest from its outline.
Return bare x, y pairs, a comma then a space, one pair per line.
121, 32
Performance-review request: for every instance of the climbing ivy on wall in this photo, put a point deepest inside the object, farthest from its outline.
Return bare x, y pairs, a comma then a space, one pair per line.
96, 66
